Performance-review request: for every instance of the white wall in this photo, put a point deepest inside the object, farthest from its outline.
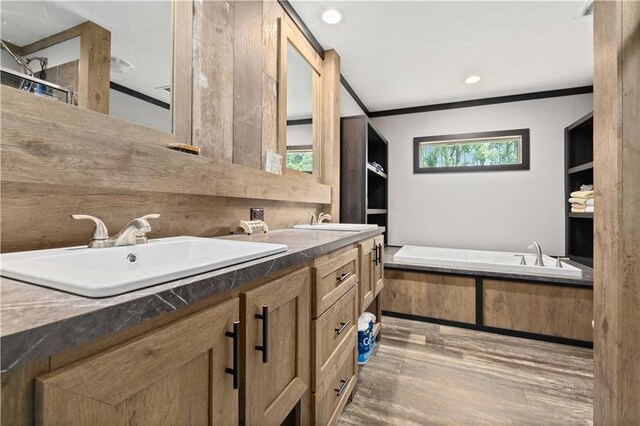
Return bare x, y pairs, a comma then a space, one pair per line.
299, 134
482, 210
138, 111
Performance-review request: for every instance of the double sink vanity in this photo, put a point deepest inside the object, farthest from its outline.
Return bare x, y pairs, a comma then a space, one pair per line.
246, 329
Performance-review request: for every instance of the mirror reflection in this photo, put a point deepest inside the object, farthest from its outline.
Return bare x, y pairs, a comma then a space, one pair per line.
299, 112
110, 57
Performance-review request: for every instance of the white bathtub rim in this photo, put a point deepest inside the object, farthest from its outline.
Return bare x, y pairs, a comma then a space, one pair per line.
568, 271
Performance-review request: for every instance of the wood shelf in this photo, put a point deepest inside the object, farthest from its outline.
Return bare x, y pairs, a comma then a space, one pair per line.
374, 171
581, 168
71, 150
581, 215
376, 211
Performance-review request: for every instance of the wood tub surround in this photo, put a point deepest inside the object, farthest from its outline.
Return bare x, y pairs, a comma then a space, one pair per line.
554, 311
540, 309
430, 295
233, 346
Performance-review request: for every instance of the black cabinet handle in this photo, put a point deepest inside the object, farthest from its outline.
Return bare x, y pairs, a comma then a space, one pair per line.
344, 385
344, 276
235, 371
343, 325
265, 333
376, 255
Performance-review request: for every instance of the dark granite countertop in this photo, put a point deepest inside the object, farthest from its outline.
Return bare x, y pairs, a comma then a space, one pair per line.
38, 322
586, 280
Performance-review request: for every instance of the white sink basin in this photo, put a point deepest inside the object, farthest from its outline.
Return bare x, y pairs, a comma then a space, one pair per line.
101, 272
350, 227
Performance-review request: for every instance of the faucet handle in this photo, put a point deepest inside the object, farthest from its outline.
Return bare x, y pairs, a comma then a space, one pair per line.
100, 231
313, 221
324, 216
559, 261
523, 261
141, 237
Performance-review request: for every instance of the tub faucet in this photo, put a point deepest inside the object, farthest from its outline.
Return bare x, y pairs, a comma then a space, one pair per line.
539, 261
323, 216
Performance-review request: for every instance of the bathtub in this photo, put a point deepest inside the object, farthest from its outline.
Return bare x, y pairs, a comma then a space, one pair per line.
480, 260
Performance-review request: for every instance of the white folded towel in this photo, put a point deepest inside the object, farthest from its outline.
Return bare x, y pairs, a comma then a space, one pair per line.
582, 194
589, 209
575, 200
590, 202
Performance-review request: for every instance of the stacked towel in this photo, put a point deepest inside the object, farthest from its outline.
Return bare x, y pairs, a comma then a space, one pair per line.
582, 201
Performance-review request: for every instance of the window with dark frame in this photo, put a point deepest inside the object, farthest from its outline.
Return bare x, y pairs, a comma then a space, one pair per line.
472, 152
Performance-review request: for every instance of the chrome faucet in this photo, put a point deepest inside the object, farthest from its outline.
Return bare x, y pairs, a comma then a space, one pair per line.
133, 233
539, 261
323, 216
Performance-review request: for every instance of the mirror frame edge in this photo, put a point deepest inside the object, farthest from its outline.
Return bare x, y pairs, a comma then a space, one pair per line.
289, 33
182, 75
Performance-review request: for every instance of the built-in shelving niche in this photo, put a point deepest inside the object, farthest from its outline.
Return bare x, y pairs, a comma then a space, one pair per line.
364, 187
579, 171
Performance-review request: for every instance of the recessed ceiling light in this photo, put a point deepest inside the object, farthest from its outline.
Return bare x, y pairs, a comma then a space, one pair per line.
472, 79
331, 16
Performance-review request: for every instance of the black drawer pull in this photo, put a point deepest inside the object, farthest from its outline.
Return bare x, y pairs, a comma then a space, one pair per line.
235, 371
343, 325
265, 333
344, 276
344, 385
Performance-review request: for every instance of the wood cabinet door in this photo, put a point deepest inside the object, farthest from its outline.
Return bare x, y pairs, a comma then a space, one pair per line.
276, 348
367, 273
378, 270
172, 375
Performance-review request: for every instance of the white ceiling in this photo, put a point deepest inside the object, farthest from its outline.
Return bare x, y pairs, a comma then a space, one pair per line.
140, 33
408, 53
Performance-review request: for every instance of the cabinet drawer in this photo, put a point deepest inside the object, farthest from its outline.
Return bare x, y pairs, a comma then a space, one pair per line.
334, 276
331, 397
333, 332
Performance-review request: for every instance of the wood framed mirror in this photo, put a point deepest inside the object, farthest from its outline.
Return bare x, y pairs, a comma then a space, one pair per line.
299, 104
131, 62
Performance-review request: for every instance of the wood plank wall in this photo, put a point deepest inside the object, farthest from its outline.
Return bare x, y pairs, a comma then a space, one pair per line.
617, 215
235, 79
234, 120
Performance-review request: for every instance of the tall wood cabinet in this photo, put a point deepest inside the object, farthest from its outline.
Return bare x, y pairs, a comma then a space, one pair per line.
579, 171
173, 375
363, 186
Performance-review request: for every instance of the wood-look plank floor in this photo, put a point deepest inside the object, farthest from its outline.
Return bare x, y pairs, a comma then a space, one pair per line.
427, 374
